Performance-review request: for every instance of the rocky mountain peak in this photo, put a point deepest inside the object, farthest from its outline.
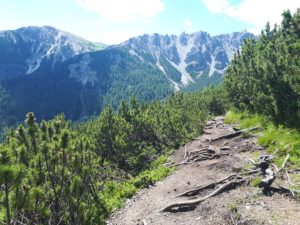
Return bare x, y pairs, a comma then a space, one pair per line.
28, 47
186, 58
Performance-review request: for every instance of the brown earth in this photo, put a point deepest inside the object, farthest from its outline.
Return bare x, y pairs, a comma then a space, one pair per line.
244, 205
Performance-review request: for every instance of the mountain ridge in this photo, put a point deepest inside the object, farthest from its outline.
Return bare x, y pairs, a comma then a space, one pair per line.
49, 71
32, 45
192, 55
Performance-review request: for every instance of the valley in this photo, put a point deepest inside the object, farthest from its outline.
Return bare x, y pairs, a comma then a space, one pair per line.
153, 128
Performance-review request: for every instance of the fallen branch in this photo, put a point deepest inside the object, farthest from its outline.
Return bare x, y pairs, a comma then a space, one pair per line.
289, 179
185, 154
235, 134
225, 148
284, 190
284, 164
294, 171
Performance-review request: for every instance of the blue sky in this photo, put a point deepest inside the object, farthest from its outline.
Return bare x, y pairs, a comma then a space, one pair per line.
114, 21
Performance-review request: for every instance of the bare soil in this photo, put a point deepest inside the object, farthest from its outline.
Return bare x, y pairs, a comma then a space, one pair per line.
244, 205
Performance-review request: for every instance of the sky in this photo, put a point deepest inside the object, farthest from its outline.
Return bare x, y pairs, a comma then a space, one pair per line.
114, 21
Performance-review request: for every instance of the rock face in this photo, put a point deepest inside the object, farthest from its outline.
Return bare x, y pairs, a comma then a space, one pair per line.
49, 71
187, 58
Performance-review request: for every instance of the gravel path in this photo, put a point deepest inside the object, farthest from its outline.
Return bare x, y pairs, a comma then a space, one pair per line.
244, 205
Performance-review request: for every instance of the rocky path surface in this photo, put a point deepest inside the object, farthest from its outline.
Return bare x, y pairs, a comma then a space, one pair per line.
243, 205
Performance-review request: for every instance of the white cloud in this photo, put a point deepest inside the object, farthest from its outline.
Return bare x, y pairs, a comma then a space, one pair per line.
187, 23
216, 6
120, 10
254, 12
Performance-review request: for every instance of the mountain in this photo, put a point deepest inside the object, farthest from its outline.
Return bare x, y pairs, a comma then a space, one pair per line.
188, 60
49, 71
24, 50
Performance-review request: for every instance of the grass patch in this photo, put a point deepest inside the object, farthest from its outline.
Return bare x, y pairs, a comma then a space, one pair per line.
244, 119
279, 140
282, 141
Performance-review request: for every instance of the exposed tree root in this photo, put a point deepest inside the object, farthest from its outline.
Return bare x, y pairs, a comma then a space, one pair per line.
204, 154
263, 166
198, 189
233, 181
193, 203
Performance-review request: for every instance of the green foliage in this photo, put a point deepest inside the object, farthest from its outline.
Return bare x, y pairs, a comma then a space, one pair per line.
279, 141
174, 74
119, 76
49, 175
255, 182
204, 80
55, 173
282, 141
264, 77
114, 193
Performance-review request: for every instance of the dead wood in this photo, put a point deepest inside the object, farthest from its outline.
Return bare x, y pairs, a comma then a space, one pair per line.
225, 148
185, 157
236, 128
289, 179
235, 134
206, 132
284, 190
284, 164
209, 127
294, 171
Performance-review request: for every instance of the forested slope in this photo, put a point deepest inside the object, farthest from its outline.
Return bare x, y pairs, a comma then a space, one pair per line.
264, 76
54, 173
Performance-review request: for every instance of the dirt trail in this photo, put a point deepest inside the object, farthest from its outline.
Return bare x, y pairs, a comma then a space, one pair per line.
244, 205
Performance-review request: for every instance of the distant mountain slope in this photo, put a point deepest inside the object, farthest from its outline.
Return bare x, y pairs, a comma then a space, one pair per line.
188, 60
81, 86
22, 51
49, 71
